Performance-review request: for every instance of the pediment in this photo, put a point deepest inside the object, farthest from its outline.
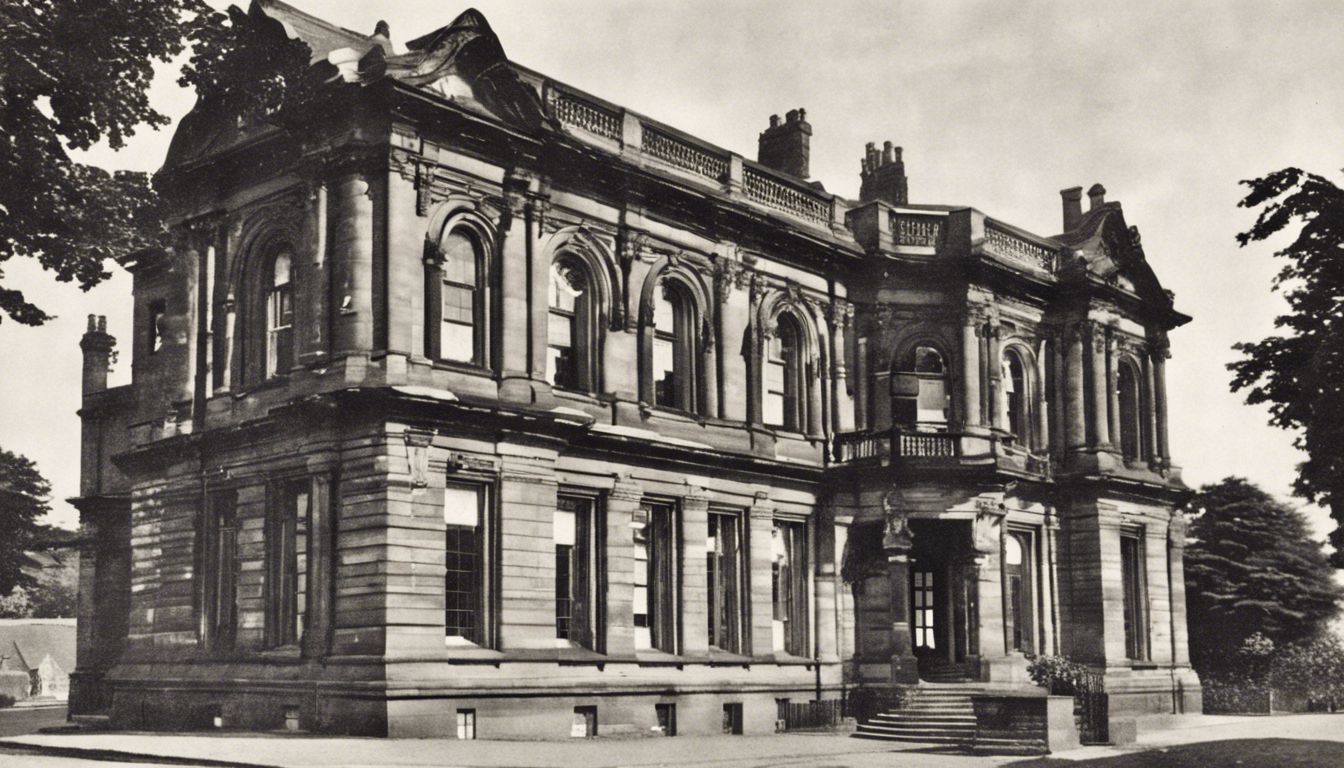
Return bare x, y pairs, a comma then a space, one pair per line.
1109, 249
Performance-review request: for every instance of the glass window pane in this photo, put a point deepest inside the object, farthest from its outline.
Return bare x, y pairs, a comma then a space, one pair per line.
459, 258
932, 401
664, 313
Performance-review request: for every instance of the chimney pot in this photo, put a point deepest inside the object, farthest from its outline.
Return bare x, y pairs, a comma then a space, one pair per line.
1072, 199
786, 148
883, 175
1096, 196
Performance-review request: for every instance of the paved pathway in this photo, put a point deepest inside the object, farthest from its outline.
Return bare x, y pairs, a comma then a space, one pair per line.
791, 750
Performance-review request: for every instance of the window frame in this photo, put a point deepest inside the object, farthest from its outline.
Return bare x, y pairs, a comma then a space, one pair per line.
286, 565
905, 406
731, 601
1022, 627
588, 551
663, 576
486, 555
279, 300
1017, 401
1131, 440
792, 607
685, 341
791, 363
437, 279
220, 566
1134, 595
585, 326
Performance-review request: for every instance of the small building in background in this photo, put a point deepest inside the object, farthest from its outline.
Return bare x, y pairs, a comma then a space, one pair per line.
36, 658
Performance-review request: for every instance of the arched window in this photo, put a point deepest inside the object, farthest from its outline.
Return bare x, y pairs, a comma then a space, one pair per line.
919, 390
785, 376
1131, 427
571, 330
675, 339
1016, 397
280, 314
454, 303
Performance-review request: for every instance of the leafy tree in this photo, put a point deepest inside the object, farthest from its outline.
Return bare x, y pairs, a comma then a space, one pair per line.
74, 73
1300, 373
23, 500
1252, 571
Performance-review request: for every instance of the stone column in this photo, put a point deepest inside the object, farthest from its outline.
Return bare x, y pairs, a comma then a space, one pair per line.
1180, 640
710, 365
1073, 387
1149, 413
1113, 388
1100, 422
514, 334
353, 246
622, 507
998, 418
862, 419
231, 376
842, 409
761, 521
1161, 351
817, 375
970, 372
1041, 400
1050, 582
694, 578
825, 619
897, 543
314, 348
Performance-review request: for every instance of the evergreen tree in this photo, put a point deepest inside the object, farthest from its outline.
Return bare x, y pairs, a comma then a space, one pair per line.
23, 501
1252, 567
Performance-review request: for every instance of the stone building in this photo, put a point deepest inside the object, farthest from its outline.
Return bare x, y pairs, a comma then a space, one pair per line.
481, 405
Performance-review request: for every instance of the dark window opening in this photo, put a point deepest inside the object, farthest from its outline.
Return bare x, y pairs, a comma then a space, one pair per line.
675, 340
724, 556
576, 570
1135, 596
221, 571
667, 718
657, 579
286, 562
789, 584
464, 563
153, 323
732, 719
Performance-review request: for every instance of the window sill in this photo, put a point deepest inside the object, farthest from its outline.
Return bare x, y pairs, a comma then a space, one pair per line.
472, 654
458, 366
672, 414
577, 396
568, 655
1142, 665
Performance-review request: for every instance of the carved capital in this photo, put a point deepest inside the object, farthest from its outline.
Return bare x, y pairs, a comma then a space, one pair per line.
1159, 345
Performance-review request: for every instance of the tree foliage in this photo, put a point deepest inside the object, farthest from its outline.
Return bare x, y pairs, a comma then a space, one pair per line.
75, 73
1252, 568
23, 501
1299, 372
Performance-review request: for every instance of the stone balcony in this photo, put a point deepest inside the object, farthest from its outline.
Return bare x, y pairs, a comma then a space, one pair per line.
969, 451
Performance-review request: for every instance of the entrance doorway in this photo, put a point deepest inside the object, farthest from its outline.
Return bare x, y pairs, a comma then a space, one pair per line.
942, 600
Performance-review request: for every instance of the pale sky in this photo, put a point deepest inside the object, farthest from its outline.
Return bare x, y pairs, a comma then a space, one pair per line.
998, 105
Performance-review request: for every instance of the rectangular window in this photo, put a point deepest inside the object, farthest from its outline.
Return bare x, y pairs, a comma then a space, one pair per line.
287, 562
1136, 596
775, 383
220, 565
466, 724
464, 563
923, 609
789, 586
657, 582
153, 333
667, 718
724, 566
732, 719
576, 571
585, 723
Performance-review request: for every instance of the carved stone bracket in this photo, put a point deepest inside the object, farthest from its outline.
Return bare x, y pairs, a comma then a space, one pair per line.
897, 538
989, 515
417, 455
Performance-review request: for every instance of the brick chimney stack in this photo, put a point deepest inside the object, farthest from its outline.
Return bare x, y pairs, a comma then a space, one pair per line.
1096, 197
882, 176
97, 346
786, 147
1073, 207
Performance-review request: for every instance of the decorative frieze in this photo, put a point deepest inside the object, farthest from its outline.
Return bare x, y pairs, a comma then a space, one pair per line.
684, 155
575, 112
921, 232
768, 192
1015, 249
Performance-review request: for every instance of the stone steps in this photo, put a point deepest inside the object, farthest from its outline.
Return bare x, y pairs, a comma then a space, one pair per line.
932, 716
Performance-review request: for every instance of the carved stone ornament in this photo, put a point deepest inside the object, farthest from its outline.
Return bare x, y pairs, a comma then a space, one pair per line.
989, 515
897, 538
417, 455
